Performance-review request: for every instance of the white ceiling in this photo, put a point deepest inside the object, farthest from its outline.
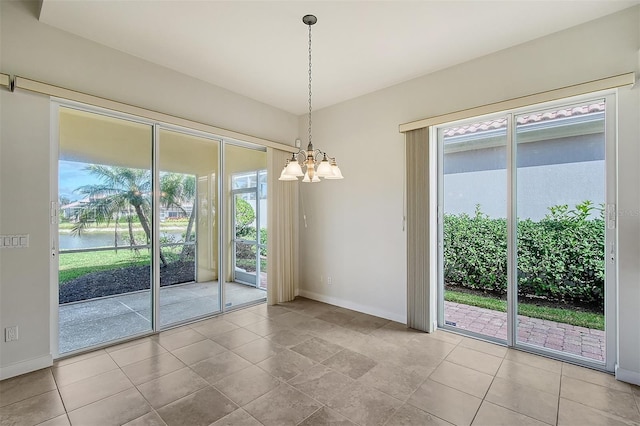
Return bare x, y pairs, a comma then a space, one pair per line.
259, 48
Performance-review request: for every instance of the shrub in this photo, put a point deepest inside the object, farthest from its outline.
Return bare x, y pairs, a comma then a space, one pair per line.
245, 215
560, 258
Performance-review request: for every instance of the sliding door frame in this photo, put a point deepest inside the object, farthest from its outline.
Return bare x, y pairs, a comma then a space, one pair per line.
221, 217
437, 137
609, 96
225, 204
55, 105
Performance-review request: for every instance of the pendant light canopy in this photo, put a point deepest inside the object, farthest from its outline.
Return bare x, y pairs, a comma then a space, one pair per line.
311, 164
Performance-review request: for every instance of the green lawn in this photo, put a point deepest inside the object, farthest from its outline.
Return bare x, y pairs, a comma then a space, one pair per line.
566, 316
249, 265
74, 265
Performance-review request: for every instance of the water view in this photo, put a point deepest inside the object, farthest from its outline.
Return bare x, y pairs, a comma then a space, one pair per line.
67, 241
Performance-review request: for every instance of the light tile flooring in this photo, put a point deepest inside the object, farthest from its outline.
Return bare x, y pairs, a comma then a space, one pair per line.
96, 321
308, 363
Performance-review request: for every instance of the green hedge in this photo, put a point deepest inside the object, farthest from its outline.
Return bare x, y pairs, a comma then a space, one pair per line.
560, 258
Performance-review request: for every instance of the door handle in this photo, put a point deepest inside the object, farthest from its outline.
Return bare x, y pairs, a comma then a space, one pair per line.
612, 253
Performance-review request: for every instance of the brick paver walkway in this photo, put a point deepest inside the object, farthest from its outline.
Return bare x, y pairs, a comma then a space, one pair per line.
549, 334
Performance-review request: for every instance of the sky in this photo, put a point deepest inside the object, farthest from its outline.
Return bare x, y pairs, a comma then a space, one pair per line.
71, 175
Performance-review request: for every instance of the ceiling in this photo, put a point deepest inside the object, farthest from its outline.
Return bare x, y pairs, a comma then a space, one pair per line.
259, 48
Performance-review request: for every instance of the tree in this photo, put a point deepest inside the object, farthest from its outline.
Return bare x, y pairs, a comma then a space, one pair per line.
177, 190
121, 190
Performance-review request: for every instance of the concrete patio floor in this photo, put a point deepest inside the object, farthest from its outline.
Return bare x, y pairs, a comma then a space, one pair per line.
567, 338
93, 322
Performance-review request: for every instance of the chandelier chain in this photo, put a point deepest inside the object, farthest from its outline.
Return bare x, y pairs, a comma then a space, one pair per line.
315, 164
309, 84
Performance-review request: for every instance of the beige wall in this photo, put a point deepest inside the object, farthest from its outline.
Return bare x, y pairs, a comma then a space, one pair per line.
24, 195
37, 51
354, 226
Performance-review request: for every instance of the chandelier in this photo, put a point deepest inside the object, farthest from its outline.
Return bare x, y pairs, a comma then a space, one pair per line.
316, 163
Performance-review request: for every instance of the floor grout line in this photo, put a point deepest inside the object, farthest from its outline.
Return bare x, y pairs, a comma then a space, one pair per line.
292, 327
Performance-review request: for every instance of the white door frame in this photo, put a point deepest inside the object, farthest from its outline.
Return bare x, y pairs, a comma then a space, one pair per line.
610, 234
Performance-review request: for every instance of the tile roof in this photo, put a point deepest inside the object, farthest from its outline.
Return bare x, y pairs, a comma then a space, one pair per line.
500, 123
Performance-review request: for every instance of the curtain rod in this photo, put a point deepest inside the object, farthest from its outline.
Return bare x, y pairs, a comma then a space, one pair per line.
72, 95
621, 80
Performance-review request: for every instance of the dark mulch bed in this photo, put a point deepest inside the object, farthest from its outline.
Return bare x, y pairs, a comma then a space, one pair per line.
124, 280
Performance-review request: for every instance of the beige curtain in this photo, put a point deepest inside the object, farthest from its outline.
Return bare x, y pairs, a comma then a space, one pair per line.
418, 232
282, 225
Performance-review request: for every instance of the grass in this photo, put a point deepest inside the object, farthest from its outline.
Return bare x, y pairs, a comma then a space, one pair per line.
565, 316
249, 265
74, 265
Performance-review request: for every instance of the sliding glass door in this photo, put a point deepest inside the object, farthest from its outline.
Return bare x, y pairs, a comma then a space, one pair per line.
527, 227
155, 229
560, 156
188, 231
105, 229
246, 193
473, 199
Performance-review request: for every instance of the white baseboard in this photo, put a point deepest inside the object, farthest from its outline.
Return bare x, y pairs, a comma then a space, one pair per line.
24, 367
353, 306
627, 376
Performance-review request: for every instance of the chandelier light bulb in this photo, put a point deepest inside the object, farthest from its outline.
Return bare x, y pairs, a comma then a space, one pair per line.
285, 176
324, 168
335, 171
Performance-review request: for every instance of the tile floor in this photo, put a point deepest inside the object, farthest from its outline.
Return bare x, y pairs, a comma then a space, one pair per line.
309, 363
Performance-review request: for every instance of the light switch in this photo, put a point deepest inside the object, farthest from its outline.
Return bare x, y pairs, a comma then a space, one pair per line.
14, 241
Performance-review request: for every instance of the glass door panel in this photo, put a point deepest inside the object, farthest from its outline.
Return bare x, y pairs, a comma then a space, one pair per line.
244, 242
245, 265
473, 200
555, 234
189, 285
246, 171
104, 232
262, 228
560, 157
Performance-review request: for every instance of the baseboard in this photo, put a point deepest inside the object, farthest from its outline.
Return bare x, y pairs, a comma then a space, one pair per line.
353, 306
24, 367
627, 376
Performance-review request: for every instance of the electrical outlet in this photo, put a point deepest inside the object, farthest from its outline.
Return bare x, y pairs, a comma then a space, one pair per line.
329, 280
11, 333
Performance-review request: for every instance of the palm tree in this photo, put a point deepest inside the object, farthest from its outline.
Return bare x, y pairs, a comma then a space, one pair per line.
121, 189
177, 190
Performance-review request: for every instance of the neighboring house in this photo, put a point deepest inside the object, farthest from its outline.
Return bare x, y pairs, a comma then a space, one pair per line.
72, 211
560, 160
